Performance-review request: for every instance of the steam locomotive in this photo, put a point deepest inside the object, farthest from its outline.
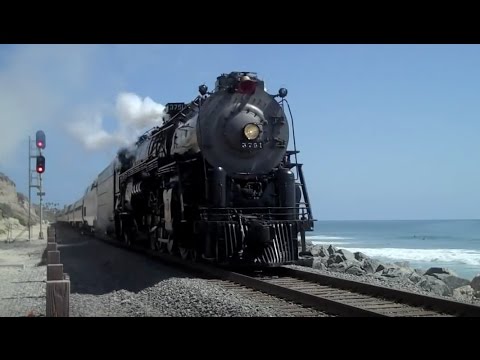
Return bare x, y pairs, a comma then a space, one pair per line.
215, 181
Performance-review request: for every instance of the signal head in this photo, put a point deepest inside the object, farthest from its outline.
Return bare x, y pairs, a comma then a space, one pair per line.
40, 164
40, 140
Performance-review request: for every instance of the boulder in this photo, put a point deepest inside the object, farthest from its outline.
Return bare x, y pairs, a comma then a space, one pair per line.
419, 271
319, 250
352, 262
331, 250
371, 265
475, 283
415, 277
381, 267
367, 267
346, 255
318, 264
438, 270
434, 285
397, 272
324, 252
360, 256
335, 259
323, 260
452, 281
337, 267
464, 293
355, 270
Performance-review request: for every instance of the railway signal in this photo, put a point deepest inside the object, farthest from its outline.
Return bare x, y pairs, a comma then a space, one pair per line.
40, 164
40, 140
35, 152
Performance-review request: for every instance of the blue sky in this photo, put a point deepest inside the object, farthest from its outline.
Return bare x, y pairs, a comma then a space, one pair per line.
385, 131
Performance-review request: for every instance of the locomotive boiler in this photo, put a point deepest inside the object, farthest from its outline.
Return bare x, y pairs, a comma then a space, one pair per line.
215, 181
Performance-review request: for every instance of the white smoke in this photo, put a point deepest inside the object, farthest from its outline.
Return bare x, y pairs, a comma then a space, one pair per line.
88, 129
137, 113
134, 116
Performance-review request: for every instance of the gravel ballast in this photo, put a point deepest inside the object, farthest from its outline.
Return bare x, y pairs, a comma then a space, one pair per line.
172, 297
108, 281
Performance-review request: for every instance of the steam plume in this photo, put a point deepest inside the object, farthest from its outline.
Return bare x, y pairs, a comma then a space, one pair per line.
134, 115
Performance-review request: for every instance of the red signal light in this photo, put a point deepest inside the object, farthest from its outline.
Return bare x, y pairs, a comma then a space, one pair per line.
40, 139
40, 164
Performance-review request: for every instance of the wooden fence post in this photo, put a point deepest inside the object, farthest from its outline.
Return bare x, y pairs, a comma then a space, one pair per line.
53, 257
58, 298
58, 285
54, 272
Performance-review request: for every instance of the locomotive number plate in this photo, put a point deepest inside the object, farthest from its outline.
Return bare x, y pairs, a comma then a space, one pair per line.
173, 108
252, 145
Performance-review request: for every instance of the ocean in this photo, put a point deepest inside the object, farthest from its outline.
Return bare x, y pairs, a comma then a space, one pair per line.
453, 244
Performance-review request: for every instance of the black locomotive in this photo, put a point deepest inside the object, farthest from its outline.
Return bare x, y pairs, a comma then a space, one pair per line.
215, 181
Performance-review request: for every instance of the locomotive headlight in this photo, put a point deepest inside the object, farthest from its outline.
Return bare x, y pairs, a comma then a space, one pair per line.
251, 131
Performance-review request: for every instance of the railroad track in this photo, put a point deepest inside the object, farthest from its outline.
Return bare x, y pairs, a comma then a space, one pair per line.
320, 295
342, 297
354, 298
291, 308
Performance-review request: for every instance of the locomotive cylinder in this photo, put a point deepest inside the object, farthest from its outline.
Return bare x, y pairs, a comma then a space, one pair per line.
218, 187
